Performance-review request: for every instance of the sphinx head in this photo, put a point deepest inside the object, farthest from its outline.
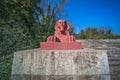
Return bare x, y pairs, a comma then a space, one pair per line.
62, 27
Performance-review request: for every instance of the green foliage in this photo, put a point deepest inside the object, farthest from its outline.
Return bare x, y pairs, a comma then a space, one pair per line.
96, 33
14, 39
5, 67
24, 23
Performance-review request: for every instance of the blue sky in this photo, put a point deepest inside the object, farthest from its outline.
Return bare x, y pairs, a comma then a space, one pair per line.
84, 13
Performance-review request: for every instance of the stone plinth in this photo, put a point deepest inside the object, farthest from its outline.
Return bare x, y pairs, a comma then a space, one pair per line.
83, 64
60, 45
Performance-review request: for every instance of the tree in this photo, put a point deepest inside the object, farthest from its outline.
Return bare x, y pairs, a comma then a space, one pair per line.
96, 33
52, 11
82, 34
26, 23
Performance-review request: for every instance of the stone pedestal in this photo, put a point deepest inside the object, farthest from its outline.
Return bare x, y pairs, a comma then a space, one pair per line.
83, 64
60, 45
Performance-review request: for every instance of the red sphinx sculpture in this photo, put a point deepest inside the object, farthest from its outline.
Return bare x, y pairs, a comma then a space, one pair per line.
61, 39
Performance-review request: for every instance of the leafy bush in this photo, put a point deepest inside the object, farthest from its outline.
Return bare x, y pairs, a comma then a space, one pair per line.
5, 67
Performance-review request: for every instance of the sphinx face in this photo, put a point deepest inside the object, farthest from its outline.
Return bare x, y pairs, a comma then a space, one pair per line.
61, 33
61, 26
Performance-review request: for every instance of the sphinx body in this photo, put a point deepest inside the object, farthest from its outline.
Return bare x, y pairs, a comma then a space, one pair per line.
61, 33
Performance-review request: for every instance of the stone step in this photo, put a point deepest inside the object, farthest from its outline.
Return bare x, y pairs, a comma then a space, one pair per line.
113, 44
116, 58
115, 52
101, 48
97, 43
115, 68
113, 55
115, 77
112, 65
114, 61
117, 72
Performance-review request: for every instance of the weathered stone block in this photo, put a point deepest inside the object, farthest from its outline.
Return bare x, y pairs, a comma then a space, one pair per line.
60, 65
